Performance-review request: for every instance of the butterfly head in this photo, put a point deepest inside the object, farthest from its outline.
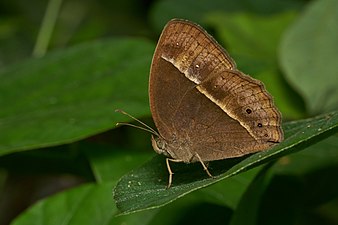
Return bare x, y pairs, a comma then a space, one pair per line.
159, 145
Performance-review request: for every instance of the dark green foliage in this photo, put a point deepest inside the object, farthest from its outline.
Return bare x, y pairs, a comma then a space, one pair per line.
59, 143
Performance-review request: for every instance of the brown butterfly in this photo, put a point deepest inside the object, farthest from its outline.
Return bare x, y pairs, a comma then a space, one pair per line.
203, 107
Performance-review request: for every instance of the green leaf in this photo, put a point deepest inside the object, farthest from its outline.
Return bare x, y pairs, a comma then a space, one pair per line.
72, 94
76, 207
213, 204
145, 187
309, 54
85, 205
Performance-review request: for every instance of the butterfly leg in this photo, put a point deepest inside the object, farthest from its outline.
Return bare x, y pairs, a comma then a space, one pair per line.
169, 169
204, 166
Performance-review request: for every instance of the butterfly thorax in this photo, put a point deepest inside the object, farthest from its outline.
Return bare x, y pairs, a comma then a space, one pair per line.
175, 149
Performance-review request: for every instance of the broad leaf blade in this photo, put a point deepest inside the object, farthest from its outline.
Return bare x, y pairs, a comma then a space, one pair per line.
75, 206
72, 94
145, 187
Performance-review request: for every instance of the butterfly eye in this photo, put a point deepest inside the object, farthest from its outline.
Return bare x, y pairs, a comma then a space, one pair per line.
259, 125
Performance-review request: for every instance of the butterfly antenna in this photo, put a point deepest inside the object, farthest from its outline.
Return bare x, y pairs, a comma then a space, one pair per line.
146, 127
